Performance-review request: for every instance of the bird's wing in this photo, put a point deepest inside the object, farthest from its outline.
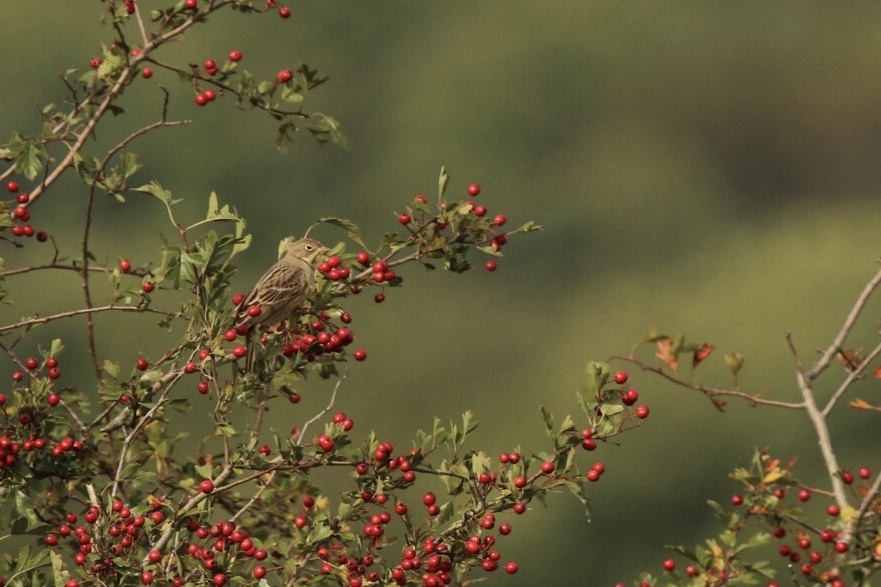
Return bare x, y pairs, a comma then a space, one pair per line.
282, 286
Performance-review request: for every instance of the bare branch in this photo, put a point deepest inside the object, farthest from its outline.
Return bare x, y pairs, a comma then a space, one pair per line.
837, 344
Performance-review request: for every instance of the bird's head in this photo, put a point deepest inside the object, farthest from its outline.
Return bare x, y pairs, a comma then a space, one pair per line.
306, 249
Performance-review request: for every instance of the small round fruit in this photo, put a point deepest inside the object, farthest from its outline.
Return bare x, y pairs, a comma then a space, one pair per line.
284, 76
284, 12
142, 364
125, 265
206, 486
491, 266
147, 72
511, 567
642, 412
405, 219
360, 355
669, 564
473, 189
804, 494
239, 351
864, 472
12, 186
547, 467
235, 55
500, 220
148, 286
621, 377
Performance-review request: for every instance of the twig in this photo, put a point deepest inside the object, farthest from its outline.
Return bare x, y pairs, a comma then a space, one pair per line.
326, 409
824, 361
709, 391
80, 312
852, 376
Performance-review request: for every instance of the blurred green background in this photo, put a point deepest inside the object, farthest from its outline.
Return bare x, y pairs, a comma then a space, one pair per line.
702, 167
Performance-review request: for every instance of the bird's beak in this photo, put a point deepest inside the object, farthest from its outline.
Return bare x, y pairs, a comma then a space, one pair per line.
323, 250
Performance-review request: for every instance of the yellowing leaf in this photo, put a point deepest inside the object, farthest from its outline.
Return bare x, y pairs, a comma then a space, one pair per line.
773, 476
860, 404
665, 353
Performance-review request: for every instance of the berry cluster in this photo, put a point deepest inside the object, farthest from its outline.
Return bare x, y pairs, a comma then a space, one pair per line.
20, 215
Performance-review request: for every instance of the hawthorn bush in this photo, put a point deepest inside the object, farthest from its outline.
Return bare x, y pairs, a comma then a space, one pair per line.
94, 491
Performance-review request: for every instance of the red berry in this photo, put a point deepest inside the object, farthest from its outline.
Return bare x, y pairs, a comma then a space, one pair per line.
804, 494
847, 477
325, 442
148, 286
147, 73
421, 199
154, 556
642, 412
239, 351
473, 189
479, 210
669, 564
360, 355
364, 258
147, 577
284, 12
864, 472
42, 236
284, 76
736, 499
201, 99
404, 219
429, 498
95, 62
12, 186
491, 266
547, 467
22, 198
206, 486
142, 364
259, 572
500, 220
31, 363
190, 4
833, 509
125, 265
379, 298
621, 377
235, 55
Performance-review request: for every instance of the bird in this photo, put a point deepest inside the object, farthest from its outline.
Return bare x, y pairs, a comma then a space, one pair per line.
283, 288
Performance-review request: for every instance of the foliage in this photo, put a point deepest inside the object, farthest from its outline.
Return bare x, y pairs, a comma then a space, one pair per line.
93, 482
841, 546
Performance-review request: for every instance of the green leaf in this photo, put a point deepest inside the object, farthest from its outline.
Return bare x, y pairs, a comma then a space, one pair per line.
155, 189
442, 181
549, 421
29, 155
352, 230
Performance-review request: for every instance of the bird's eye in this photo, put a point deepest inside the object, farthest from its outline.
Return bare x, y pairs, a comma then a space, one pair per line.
309, 247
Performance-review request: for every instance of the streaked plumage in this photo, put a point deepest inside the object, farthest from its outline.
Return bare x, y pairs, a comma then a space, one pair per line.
284, 287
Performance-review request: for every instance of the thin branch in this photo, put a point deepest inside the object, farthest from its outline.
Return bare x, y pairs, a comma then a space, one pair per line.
826, 358
823, 439
80, 312
852, 376
326, 409
710, 391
